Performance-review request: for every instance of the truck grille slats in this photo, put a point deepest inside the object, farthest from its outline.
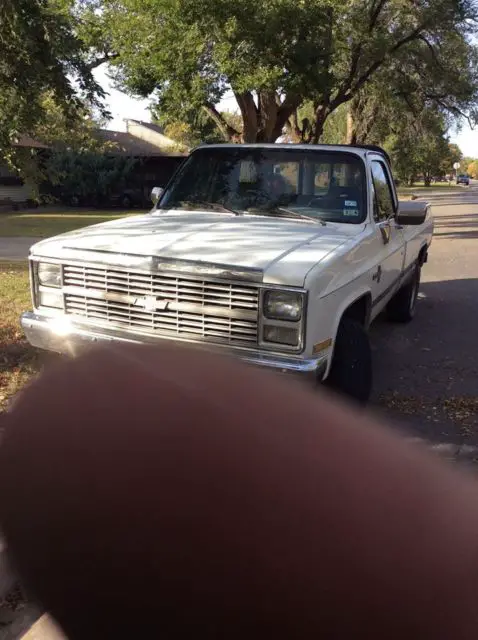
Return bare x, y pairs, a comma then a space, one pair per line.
231, 296
201, 309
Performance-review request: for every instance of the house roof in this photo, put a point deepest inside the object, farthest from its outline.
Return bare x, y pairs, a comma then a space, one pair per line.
123, 143
30, 143
148, 125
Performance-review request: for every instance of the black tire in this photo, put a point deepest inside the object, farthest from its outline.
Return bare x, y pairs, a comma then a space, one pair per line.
351, 370
402, 306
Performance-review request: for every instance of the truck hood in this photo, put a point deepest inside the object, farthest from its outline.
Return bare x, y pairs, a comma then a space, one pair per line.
282, 249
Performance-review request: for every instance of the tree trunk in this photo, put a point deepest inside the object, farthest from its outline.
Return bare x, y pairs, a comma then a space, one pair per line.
268, 112
250, 116
266, 121
321, 114
351, 127
229, 133
294, 132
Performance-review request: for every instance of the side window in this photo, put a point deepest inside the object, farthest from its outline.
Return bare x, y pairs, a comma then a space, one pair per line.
383, 199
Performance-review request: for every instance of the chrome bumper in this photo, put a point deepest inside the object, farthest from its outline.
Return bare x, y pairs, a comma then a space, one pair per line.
62, 336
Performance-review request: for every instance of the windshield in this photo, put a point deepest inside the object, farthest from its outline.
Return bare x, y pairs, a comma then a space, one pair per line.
296, 183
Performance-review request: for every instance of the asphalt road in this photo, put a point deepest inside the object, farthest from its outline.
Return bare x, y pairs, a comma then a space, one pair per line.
426, 373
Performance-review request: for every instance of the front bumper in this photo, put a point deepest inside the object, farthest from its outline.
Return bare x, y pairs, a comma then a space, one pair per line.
61, 335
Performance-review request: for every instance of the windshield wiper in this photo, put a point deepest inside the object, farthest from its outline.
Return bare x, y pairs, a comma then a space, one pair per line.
287, 213
213, 206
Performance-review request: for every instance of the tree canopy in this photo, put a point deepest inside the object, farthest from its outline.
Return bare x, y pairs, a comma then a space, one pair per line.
421, 149
277, 54
41, 54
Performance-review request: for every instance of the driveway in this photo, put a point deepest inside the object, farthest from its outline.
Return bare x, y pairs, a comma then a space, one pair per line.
426, 373
15, 248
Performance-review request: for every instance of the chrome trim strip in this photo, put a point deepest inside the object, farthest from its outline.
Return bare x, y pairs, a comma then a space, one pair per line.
153, 264
50, 333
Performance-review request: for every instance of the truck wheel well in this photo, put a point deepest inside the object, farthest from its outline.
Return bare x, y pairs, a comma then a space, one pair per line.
360, 310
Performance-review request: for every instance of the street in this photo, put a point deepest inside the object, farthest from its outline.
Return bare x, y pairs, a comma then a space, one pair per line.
425, 373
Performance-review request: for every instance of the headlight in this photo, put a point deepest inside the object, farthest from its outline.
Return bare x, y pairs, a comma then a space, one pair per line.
282, 335
283, 305
49, 275
52, 299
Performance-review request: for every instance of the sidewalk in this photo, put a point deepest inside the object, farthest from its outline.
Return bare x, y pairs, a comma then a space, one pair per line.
16, 248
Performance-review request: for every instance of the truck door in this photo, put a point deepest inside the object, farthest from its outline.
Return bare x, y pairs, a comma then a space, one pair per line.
389, 240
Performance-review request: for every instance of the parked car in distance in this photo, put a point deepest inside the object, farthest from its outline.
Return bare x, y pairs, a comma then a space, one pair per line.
463, 179
281, 255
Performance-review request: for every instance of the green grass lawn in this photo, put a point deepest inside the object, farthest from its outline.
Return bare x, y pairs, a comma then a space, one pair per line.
419, 187
18, 360
44, 225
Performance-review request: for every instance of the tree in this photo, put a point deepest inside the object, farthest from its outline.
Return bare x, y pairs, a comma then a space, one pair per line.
410, 53
456, 154
335, 128
65, 131
196, 129
88, 175
266, 52
276, 55
40, 54
472, 169
420, 149
408, 86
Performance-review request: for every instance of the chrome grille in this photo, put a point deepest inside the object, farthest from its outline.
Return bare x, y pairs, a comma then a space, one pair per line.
200, 309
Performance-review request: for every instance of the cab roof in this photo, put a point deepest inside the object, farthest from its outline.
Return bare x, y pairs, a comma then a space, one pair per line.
360, 150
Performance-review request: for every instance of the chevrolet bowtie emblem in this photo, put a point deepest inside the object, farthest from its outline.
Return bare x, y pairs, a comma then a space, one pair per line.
150, 303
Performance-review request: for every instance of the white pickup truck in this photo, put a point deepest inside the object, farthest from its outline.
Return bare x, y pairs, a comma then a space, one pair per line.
279, 254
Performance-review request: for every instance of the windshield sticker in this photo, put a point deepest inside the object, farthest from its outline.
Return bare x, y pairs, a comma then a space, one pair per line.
350, 203
351, 213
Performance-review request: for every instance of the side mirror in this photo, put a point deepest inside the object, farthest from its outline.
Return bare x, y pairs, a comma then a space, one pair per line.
411, 213
156, 194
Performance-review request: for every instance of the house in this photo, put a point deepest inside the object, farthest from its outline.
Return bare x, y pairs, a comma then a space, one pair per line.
158, 156
13, 190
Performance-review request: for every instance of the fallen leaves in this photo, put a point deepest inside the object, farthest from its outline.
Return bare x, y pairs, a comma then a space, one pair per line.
462, 410
18, 360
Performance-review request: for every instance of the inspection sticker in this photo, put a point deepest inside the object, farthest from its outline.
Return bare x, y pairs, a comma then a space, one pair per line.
351, 212
350, 203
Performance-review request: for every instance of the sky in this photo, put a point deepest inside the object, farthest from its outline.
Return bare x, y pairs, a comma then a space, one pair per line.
123, 106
